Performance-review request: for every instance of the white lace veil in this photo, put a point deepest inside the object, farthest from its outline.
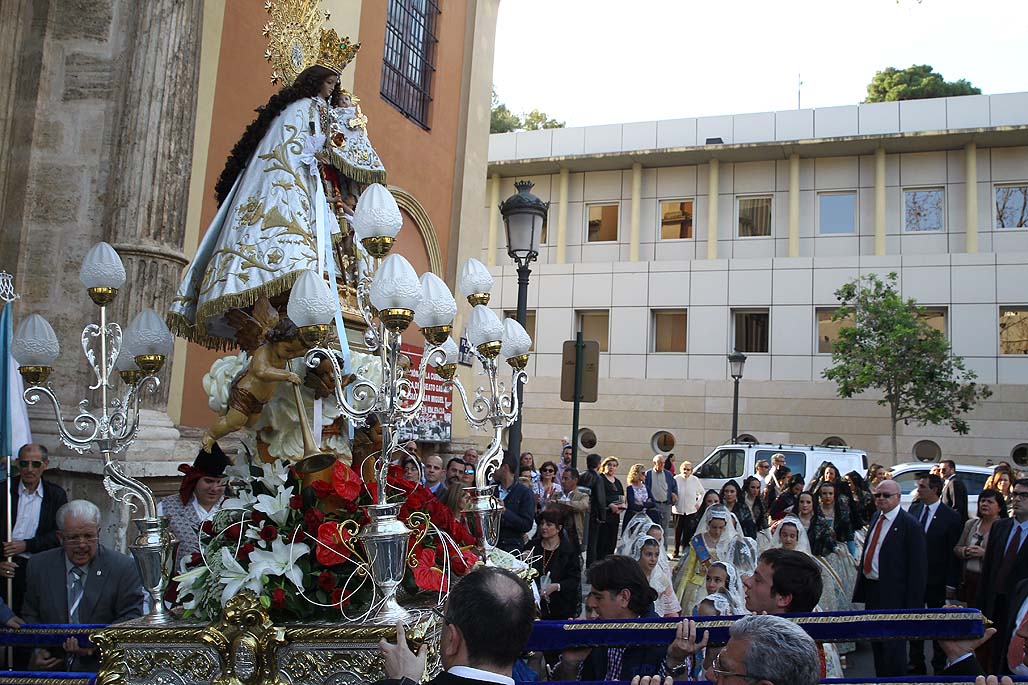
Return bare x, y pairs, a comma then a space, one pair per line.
802, 544
636, 526
733, 546
733, 590
661, 576
720, 512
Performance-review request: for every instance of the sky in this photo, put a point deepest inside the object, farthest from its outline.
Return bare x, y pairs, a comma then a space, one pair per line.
588, 62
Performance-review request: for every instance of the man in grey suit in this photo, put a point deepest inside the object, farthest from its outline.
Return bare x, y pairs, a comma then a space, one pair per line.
81, 582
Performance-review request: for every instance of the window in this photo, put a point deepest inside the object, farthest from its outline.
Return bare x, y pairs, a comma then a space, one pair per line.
828, 330
1020, 455
975, 482
662, 442
924, 210
908, 481
927, 451
934, 317
595, 325
746, 437
586, 438
676, 219
752, 328
529, 322
837, 213
409, 56
1012, 206
669, 330
754, 217
602, 223
796, 461
724, 464
834, 441
1013, 330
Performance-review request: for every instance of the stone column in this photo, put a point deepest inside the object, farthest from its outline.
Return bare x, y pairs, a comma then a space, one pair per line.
562, 217
712, 188
494, 219
633, 224
152, 153
971, 197
880, 201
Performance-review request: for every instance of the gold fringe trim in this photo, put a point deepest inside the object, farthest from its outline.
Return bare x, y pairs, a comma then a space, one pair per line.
358, 174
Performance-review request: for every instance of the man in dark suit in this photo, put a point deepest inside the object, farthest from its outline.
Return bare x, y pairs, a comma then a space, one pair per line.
942, 527
34, 504
893, 571
954, 492
518, 506
82, 582
487, 620
597, 505
1004, 565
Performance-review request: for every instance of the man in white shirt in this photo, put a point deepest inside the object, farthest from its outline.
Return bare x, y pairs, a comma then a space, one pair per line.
690, 496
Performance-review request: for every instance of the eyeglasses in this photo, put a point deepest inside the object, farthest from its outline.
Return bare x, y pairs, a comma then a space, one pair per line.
718, 671
469, 471
33, 464
884, 495
547, 470
80, 539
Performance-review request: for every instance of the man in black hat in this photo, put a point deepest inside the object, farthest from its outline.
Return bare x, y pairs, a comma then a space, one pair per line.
199, 498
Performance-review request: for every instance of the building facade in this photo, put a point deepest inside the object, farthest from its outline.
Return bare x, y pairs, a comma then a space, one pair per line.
672, 243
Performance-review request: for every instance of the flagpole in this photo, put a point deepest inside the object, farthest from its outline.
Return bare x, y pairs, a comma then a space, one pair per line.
8, 295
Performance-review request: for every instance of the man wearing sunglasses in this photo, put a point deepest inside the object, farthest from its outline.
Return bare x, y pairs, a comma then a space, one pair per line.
893, 571
34, 503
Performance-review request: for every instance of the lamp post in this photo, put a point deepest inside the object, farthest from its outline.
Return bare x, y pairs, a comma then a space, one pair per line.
524, 219
736, 362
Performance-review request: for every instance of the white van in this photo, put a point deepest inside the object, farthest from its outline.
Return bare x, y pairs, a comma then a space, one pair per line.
738, 461
974, 478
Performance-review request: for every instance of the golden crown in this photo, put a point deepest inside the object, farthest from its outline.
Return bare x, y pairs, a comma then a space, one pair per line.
335, 52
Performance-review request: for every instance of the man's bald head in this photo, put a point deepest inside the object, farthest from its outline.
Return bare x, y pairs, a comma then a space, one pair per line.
887, 495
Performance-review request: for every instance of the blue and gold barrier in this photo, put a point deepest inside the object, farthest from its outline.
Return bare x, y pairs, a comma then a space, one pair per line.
839, 626
909, 680
46, 678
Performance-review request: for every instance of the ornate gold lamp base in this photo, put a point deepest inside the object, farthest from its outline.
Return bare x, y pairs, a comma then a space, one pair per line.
246, 648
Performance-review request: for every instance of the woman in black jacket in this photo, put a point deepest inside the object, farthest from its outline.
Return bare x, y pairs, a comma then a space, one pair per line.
731, 497
558, 565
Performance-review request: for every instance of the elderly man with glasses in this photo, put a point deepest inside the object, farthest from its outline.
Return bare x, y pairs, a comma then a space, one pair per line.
893, 571
34, 504
82, 582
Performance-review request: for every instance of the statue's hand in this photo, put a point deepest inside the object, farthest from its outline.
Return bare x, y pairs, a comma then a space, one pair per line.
293, 378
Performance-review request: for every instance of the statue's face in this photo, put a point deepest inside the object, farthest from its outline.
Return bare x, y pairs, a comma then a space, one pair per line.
328, 85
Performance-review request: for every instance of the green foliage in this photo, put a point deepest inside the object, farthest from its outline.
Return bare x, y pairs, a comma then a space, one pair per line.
502, 120
916, 82
890, 348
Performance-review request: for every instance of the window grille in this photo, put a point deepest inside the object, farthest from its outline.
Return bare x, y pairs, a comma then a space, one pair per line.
408, 61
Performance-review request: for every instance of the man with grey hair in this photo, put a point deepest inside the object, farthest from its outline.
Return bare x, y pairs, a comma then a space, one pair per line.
661, 485
81, 582
762, 649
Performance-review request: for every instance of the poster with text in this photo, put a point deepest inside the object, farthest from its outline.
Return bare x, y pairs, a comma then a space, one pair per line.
432, 424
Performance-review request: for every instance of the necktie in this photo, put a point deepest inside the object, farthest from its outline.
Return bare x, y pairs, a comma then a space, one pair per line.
1015, 653
1007, 565
870, 552
924, 518
75, 592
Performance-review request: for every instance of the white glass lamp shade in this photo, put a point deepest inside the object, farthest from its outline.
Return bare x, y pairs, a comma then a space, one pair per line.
35, 343
474, 278
148, 334
102, 268
126, 360
396, 285
524, 231
437, 307
310, 301
377, 213
516, 340
449, 348
484, 326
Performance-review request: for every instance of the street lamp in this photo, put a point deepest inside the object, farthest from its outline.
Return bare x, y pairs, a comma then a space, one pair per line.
736, 362
524, 219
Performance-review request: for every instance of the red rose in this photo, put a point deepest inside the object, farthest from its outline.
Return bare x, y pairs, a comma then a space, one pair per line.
244, 552
234, 531
278, 598
322, 489
345, 481
256, 516
312, 518
326, 581
332, 549
207, 527
195, 559
269, 533
339, 599
296, 502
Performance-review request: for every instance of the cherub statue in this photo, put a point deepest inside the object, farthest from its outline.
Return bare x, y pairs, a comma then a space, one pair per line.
271, 341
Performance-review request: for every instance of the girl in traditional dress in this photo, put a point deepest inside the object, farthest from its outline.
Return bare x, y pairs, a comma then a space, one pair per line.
717, 539
636, 525
647, 551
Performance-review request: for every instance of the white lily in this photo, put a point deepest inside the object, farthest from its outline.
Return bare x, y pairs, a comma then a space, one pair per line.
280, 561
235, 577
244, 499
277, 507
275, 475
189, 583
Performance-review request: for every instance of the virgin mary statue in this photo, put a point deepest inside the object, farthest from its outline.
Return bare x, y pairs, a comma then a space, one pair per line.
285, 196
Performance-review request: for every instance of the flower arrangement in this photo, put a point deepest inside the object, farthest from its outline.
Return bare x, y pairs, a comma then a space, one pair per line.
294, 546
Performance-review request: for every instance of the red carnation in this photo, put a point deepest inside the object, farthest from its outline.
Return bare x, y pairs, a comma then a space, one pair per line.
278, 598
322, 489
339, 599
234, 531
257, 516
244, 552
195, 559
296, 502
326, 581
345, 481
332, 549
312, 518
207, 527
269, 533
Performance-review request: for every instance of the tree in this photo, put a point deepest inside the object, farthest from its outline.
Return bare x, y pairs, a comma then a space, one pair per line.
502, 120
888, 346
916, 82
